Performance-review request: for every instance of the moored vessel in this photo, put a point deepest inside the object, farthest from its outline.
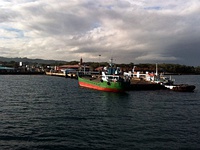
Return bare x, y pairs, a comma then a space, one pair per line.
110, 81
181, 87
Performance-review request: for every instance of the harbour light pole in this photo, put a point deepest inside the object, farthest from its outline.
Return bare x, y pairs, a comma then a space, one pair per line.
156, 69
99, 63
99, 59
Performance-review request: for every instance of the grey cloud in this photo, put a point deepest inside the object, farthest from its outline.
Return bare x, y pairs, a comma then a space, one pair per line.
165, 32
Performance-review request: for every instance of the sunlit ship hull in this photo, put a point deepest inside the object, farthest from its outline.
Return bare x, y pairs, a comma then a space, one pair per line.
98, 84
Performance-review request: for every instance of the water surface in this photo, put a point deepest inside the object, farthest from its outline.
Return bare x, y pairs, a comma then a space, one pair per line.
46, 112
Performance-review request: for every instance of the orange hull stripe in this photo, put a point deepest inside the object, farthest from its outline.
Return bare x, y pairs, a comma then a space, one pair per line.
91, 86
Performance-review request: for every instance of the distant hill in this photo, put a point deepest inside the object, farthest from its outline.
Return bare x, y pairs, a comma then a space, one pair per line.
24, 59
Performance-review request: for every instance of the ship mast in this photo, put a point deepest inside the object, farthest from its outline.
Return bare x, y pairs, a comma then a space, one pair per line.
111, 62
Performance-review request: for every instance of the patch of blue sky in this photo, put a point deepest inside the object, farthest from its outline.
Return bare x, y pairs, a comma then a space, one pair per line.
109, 7
18, 33
7, 0
96, 25
23, 1
153, 8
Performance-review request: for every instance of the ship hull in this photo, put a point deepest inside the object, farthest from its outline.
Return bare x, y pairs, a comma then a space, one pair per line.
103, 85
181, 88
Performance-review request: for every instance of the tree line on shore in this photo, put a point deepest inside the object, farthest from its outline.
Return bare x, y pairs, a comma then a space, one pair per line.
162, 68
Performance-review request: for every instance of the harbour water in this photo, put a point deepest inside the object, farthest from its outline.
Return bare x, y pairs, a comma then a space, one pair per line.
39, 112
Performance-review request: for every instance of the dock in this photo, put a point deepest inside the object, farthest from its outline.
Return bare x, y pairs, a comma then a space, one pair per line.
59, 74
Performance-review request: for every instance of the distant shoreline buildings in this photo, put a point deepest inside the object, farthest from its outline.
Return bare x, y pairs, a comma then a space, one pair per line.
13, 67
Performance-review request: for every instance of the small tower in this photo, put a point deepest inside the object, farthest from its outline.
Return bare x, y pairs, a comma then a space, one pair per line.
81, 61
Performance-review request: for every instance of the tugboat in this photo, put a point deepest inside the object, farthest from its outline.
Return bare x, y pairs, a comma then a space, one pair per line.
110, 81
168, 83
181, 87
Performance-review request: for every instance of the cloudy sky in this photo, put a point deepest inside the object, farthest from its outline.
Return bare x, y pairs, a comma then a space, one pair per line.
138, 31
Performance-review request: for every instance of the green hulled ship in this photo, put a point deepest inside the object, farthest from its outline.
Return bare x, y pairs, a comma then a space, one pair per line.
108, 81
